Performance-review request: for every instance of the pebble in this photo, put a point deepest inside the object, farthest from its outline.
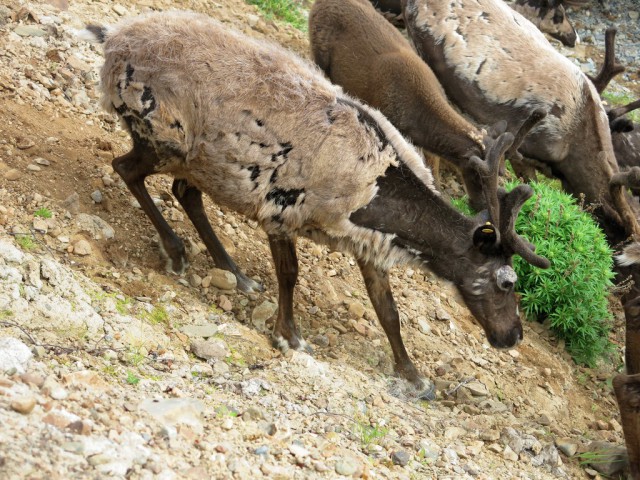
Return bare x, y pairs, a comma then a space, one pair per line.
12, 174
82, 247
567, 446
42, 161
223, 279
14, 355
400, 457
262, 313
347, 466
356, 309
96, 196
210, 349
23, 405
33, 168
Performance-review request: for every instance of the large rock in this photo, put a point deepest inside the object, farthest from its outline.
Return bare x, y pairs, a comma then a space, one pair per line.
14, 355
175, 411
95, 226
223, 279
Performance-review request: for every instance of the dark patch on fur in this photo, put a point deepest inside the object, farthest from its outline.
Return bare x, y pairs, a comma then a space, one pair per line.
129, 75
480, 66
147, 96
255, 172
285, 149
366, 119
169, 150
284, 198
98, 31
330, 116
177, 125
274, 175
276, 218
260, 123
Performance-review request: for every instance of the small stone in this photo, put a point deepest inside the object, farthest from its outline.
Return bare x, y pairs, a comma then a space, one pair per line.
60, 418
477, 389
514, 354
320, 340
96, 196
442, 315
12, 174
58, 393
567, 446
400, 457
263, 450
544, 420
356, 309
223, 279
347, 466
220, 368
28, 31
94, 225
200, 331
33, 168
490, 435
195, 280
72, 203
82, 247
262, 313
120, 10
609, 459
298, 450
633, 15
509, 454
225, 304
42, 161
23, 405
424, 326
210, 349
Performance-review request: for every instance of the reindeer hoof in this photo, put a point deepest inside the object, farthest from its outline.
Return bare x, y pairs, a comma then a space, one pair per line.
177, 267
295, 343
247, 285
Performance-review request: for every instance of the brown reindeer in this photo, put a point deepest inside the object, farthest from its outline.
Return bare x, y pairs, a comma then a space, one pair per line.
378, 65
263, 133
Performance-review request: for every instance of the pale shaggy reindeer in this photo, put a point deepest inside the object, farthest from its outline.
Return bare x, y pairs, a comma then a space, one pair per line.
493, 64
262, 132
377, 65
548, 15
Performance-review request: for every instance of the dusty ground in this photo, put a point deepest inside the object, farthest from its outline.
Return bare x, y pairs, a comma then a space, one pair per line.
254, 413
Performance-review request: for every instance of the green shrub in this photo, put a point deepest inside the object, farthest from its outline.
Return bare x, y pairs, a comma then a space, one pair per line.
572, 294
288, 11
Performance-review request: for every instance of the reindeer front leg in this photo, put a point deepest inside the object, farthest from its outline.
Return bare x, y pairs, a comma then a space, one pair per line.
191, 200
379, 290
133, 168
285, 332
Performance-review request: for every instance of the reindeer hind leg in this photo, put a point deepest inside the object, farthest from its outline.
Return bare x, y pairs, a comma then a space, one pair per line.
191, 200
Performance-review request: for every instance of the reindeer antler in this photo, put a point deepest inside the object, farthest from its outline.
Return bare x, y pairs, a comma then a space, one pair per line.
511, 203
536, 116
499, 202
609, 68
623, 110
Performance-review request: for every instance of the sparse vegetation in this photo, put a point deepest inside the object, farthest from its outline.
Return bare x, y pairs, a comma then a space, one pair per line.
26, 242
132, 379
43, 213
158, 315
367, 433
289, 11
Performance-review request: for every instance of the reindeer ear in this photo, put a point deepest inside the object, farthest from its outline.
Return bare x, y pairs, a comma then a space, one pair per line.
485, 236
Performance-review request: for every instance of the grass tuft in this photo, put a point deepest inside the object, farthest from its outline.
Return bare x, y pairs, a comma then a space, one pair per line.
289, 11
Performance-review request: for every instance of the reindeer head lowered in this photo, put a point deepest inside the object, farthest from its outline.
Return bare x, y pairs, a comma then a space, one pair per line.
474, 253
488, 290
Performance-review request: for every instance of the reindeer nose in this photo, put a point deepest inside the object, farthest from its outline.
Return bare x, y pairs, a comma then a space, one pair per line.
508, 339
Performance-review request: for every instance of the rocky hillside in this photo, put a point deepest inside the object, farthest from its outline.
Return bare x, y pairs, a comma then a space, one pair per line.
111, 368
